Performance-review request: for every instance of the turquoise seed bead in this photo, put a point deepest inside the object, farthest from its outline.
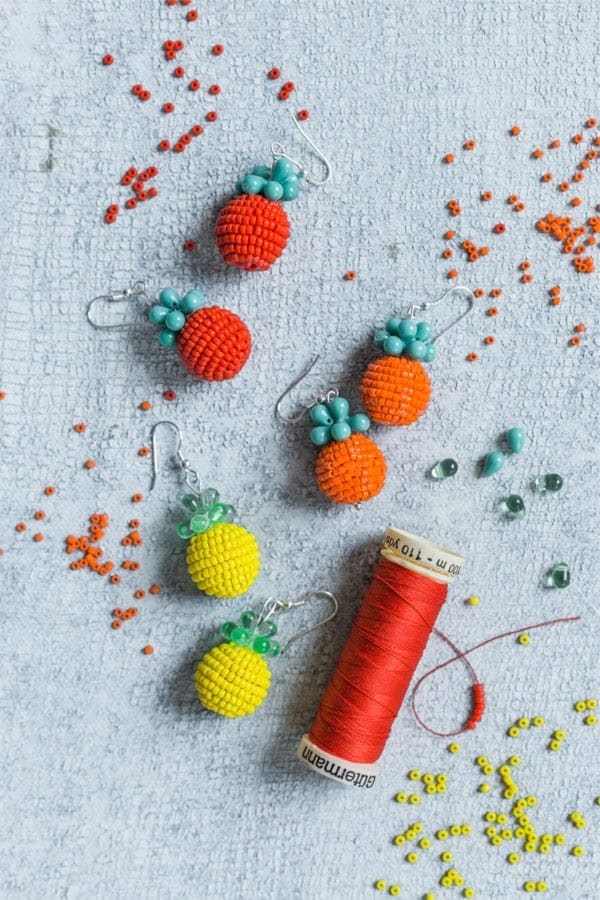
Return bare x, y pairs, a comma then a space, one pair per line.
514, 506
393, 345
262, 171
339, 408
359, 423
416, 349
192, 301
445, 468
340, 431
169, 298
407, 330
290, 190
175, 320
320, 415
430, 353
273, 190
158, 314
253, 184
380, 337
392, 325
167, 338
551, 483
320, 435
282, 169
492, 463
515, 438
424, 331
559, 577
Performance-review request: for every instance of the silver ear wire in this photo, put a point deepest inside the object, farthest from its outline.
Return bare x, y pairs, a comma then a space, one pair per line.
138, 289
325, 398
272, 606
191, 477
458, 288
279, 152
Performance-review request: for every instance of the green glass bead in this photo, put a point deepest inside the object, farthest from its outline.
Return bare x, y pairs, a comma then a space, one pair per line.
269, 628
167, 338
262, 171
248, 619
320, 415
320, 435
190, 502
559, 577
227, 629
229, 512
415, 349
169, 298
275, 649
445, 468
216, 512
424, 331
253, 184
430, 353
514, 506
273, 190
282, 169
175, 320
184, 531
261, 645
515, 438
380, 337
340, 431
199, 523
158, 314
393, 346
192, 301
407, 329
240, 635
210, 496
551, 483
359, 423
339, 408
492, 463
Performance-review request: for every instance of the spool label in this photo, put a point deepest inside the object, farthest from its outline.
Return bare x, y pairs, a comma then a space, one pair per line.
359, 775
421, 555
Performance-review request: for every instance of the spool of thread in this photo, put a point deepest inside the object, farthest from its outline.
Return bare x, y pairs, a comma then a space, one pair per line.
384, 647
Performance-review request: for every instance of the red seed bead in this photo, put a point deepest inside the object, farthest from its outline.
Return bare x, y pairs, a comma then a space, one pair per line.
145, 175
499, 228
185, 2
137, 89
109, 218
107, 59
145, 96
179, 72
194, 85
189, 246
214, 89
169, 45
211, 116
170, 395
164, 145
178, 45
196, 130
179, 147
168, 107
186, 139
131, 172
170, 55
152, 171
131, 203
138, 186
274, 73
171, 2
283, 95
289, 86
113, 208
142, 196
152, 192
126, 179
303, 114
217, 49
192, 16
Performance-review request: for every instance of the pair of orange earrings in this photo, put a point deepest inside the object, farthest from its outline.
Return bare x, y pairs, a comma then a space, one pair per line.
395, 390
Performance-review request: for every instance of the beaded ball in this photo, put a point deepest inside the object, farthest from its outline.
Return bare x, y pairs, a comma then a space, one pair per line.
224, 560
395, 390
351, 470
232, 680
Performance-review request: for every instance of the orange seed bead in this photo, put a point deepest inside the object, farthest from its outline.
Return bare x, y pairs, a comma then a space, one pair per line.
453, 273
350, 275
148, 650
449, 158
38, 537
89, 464
492, 311
471, 357
580, 328
470, 145
49, 490
145, 405
515, 130
490, 339
40, 514
20, 526
80, 427
136, 498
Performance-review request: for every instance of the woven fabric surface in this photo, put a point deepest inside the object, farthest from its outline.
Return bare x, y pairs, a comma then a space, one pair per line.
117, 784
214, 344
395, 390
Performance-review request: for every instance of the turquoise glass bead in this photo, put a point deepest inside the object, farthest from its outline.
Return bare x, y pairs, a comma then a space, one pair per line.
559, 577
551, 483
424, 331
238, 186
445, 468
492, 463
262, 171
359, 423
416, 349
273, 190
282, 169
339, 408
175, 320
192, 301
320, 415
393, 345
515, 438
158, 314
167, 338
514, 506
407, 330
290, 190
430, 353
227, 628
261, 645
380, 337
169, 298
340, 431
253, 184
248, 619
392, 325
320, 435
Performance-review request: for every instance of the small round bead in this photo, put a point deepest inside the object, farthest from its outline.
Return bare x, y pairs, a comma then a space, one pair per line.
453, 748
400, 798
211, 116
414, 799
380, 885
217, 49
274, 73
214, 89
194, 85
537, 721
107, 59
414, 775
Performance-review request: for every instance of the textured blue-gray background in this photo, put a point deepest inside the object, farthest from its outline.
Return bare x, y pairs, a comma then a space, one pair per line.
116, 783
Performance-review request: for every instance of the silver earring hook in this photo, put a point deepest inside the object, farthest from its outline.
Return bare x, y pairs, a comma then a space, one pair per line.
191, 477
324, 398
458, 288
272, 606
279, 152
138, 289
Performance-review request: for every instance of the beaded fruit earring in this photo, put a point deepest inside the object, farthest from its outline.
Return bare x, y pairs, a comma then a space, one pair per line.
213, 343
253, 229
233, 678
396, 389
223, 558
350, 467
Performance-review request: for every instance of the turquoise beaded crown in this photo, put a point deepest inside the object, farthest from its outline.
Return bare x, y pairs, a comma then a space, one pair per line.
333, 422
406, 337
280, 182
171, 312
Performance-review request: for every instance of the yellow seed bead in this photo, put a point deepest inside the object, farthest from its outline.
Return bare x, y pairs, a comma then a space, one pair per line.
519, 833
414, 799
529, 886
506, 834
441, 834
515, 760
544, 848
466, 828
401, 798
428, 778
380, 885
453, 748
513, 731
546, 838
414, 775
523, 722
554, 745
410, 834
429, 897
445, 881
496, 841
455, 830
491, 831
399, 840
424, 843
531, 800
509, 793
468, 892
412, 857
417, 827
559, 735
542, 887
523, 639
490, 816
431, 789
502, 818
513, 858
488, 769
577, 850
394, 890
537, 721
440, 789
591, 703
473, 601
446, 856
504, 770
591, 720
559, 839
459, 881
581, 706
482, 760
484, 788
529, 847
441, 778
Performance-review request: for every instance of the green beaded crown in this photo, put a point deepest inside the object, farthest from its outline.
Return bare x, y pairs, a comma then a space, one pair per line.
206, 511
254, 632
